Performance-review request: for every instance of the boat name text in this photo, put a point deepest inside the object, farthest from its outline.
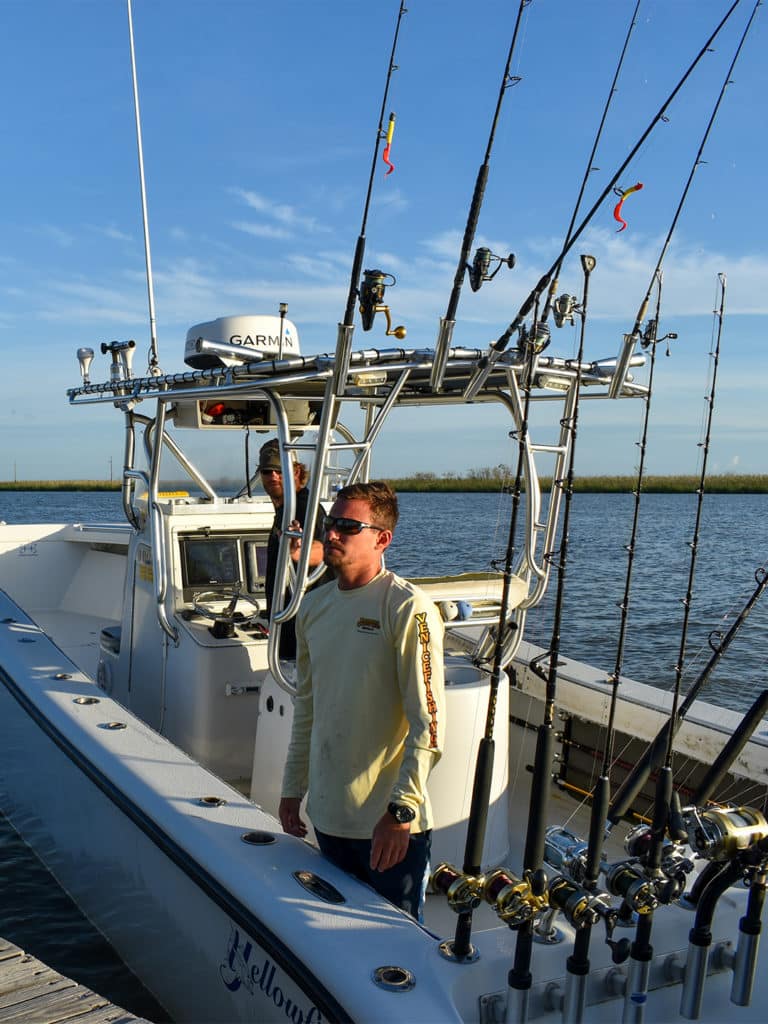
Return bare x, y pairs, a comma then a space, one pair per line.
237, 971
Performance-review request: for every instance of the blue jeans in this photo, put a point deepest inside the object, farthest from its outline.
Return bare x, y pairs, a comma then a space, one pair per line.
402, 884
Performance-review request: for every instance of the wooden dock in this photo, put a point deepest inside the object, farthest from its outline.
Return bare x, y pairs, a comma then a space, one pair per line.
33, 993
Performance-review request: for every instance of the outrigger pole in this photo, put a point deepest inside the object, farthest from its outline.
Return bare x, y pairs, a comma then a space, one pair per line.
495, 350
345, 330
448, 322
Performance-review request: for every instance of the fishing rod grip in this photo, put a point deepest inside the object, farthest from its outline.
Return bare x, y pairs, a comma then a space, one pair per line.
598, 817
638, 776
537, 814
731, 750
357, 268
478, 813
469, 236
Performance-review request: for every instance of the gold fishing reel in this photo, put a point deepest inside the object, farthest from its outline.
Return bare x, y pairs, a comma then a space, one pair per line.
463, 892
721, 833
372, 290
514, 899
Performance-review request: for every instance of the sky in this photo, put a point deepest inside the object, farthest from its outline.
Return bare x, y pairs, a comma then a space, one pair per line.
259, 122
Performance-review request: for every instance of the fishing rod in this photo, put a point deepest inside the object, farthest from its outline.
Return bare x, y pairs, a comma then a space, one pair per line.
663, 793
346, 328
461, 948
631, 339
495, 350
578, 963
478, 271
153, 368
591, 161
719, 644
641, 950
520, 978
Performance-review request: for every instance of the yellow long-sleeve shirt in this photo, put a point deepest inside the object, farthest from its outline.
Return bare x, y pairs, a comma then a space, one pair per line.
369, 714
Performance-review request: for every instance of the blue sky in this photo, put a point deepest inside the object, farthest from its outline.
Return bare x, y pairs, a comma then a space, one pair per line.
259, 121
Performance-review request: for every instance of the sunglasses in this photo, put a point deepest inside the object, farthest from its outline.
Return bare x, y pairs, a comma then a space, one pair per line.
347, 526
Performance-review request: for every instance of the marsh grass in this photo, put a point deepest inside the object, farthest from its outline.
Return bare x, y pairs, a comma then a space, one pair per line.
499, 478
489, 479
60, 485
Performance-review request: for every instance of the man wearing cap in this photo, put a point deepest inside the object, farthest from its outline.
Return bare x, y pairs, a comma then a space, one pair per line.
271, 471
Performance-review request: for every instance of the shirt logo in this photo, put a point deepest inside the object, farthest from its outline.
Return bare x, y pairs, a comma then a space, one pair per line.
368, 625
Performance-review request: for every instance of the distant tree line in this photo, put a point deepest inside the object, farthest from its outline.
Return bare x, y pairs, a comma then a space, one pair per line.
486, 478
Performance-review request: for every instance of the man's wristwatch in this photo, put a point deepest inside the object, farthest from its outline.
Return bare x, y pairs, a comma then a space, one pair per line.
401, 813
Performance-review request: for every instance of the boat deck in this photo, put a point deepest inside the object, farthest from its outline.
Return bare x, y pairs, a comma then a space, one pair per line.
75, 634
30, 991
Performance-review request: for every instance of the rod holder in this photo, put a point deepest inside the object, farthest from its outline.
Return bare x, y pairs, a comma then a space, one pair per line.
693, 983
744, 967
636, 993
442, 348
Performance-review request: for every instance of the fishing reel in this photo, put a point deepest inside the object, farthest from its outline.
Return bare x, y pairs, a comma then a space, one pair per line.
719, 834
566, 852
463, 892
674, 867
627, 881
371, 294
536, 337
564, 309
480, 265
515, 900
581, 907
648, 337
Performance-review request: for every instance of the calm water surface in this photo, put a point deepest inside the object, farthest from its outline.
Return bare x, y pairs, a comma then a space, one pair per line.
440, 534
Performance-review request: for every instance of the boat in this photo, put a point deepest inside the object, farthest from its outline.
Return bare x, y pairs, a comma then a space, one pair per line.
146, 710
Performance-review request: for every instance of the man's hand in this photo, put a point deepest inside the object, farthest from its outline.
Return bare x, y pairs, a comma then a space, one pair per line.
389, 842
290, 818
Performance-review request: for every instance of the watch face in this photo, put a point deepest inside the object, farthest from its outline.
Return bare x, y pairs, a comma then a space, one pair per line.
401, 813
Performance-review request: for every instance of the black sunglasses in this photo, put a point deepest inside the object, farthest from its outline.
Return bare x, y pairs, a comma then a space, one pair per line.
349, 526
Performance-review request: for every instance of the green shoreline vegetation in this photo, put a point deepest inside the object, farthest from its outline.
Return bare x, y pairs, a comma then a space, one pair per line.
489, 480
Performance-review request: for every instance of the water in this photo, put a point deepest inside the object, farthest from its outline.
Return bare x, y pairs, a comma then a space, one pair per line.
447, 533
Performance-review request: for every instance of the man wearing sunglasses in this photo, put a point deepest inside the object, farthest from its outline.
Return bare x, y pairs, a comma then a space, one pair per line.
369, 714
271, 472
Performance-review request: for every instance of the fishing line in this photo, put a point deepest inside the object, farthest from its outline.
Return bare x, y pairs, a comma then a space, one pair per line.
591, 160
497, 347
631, 339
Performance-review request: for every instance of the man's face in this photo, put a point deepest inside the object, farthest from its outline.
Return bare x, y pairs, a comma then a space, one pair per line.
354, 552
272, 481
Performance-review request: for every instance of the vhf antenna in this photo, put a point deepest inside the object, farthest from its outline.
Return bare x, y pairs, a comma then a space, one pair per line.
153, 365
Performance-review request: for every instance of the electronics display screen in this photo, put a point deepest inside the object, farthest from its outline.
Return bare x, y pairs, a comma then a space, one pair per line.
210, 561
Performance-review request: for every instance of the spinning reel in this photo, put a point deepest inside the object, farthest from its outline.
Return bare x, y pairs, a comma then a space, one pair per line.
372, 290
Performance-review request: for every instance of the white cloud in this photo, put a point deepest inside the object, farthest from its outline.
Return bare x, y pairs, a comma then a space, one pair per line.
284, 214
260, 230
110, 231
55, 234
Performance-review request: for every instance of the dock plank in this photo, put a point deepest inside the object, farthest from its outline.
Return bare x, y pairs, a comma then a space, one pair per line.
33, 993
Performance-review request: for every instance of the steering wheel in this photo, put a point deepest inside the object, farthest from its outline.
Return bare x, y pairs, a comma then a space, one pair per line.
225, 619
